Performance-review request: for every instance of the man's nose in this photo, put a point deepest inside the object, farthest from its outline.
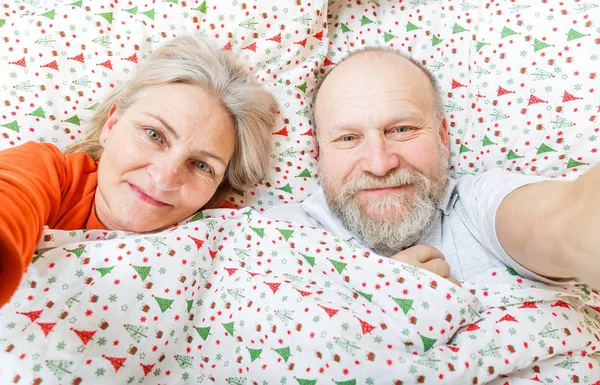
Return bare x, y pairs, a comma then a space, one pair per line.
378, 157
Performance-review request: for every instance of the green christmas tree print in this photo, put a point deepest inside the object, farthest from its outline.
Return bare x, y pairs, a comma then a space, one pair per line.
164, 303
137, 332
204, 332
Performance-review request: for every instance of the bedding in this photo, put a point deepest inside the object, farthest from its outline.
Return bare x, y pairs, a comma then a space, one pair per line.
230, 297
233, 297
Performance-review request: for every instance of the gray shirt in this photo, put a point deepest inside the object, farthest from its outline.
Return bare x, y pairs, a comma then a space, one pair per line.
464, 230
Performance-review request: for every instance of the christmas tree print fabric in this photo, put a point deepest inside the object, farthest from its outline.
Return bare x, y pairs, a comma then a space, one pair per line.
519, 79
232, 297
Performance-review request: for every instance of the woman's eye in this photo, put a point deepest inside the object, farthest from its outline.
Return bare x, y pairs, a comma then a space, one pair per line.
154, 135
203, 167
401, 129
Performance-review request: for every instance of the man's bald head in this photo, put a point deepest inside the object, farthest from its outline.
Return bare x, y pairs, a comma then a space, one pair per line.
371, 59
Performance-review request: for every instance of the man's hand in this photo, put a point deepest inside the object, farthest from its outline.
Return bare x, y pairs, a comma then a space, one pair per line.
428, 258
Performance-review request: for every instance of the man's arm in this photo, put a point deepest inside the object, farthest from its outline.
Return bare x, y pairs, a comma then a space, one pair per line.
552, 227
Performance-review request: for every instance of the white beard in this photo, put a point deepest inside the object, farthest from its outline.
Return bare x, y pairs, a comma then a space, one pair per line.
394, 222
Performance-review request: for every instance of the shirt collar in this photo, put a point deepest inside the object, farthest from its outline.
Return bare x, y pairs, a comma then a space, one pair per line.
316, 206
450, 197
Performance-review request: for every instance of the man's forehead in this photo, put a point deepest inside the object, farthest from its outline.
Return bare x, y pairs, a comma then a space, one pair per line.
371, 71
342, 96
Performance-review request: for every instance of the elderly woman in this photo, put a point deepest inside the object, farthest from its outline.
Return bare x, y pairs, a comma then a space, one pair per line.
175, 138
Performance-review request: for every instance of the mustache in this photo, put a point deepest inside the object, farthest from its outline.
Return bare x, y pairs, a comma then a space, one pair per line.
396, 178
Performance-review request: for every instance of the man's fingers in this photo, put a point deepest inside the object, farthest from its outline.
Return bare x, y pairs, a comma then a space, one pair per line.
405, 256
438, 266
454, 281
430, 253
422, 253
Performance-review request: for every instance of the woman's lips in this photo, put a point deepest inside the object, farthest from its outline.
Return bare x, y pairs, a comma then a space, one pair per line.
141, 194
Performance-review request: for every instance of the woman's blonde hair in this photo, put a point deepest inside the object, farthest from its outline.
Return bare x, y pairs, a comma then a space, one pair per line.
191, 60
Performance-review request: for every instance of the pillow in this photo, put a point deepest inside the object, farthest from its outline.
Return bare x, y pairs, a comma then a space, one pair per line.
520, 81
59, 62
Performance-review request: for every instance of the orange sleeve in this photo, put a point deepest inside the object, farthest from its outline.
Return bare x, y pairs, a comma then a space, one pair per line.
31, 182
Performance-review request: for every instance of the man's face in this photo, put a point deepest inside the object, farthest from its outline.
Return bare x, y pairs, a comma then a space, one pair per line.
383, 156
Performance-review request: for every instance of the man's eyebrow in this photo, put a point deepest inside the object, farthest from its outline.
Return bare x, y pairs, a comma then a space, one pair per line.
164, 123
405, 117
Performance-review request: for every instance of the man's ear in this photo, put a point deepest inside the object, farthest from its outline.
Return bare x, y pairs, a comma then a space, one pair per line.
443, 132
316, 148
111, 119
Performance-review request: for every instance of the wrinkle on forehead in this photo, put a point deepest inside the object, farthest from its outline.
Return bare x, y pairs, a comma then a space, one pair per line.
344, 101
393, 93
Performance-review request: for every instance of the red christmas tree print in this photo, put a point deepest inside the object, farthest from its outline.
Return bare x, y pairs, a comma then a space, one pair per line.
19, 62
303, 293
567, 97
318, 36
231, 270
32, 315
147, 368
472, 328
560, 303
46, 327
308, 133
330, 312
302, 42
133, 58
276, 38
227, 46
198, 242
274, 286
504, 91
251, 47
327, 62
52, 65
535, 100
116, 362
212, 253
84, 335
456, 84
365, 326
78, 58
106, 64
283, 132
507, 317
528, 305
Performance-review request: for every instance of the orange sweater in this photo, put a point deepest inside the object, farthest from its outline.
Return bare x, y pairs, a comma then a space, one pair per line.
40, 186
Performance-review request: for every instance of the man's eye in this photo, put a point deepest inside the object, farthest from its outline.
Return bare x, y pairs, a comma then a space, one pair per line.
347, 138
154, 135
203, 167
401, 129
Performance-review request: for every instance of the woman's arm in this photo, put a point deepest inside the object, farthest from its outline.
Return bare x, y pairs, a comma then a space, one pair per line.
31, 179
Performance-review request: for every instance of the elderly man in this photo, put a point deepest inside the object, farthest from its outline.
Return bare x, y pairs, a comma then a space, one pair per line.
383, 165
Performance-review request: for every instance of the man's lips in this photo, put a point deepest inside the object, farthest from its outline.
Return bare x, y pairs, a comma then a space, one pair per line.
384, 191
144, 197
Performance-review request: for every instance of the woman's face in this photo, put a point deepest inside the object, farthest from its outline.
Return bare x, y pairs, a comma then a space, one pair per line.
163, 158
